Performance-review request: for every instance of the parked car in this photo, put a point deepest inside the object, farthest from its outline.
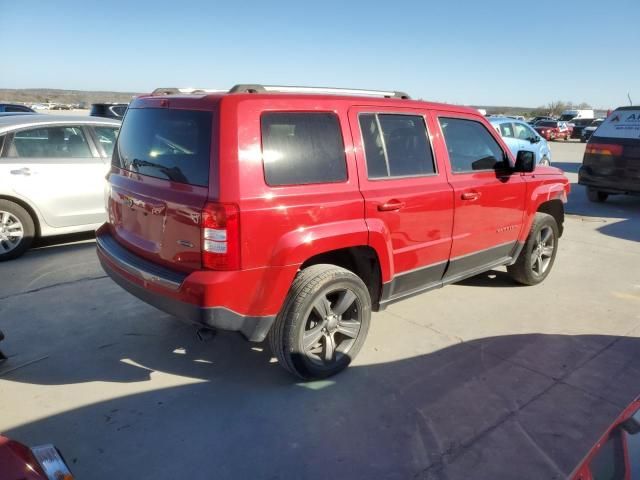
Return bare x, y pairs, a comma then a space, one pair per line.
520, 136
60, 106
611, 159
588, 131
569, 115
616, 454
535, 120
52, 171
294, 212
13, 107
40, 106
578, 125
552, 129
108, 110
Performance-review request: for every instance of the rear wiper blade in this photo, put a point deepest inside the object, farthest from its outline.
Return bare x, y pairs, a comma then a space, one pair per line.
173, 173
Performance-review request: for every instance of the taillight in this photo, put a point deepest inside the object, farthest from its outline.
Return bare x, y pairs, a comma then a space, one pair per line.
604, 149
220, 236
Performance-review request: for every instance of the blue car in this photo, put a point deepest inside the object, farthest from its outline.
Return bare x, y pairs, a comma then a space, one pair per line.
520, 136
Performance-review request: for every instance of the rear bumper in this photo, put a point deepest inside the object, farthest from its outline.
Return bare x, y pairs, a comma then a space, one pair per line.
170, 291
608, 183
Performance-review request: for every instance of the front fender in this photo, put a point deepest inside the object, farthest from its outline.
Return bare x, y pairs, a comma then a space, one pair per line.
545, 191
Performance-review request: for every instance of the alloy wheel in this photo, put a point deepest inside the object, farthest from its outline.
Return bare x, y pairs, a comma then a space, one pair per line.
332, 326
543, 249
11, 232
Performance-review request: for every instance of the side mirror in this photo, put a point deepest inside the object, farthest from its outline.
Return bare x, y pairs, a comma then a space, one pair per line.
525, 162
534, 139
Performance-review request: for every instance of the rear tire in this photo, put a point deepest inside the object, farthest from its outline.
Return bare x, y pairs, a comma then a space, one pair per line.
545, 161
596, 195
17, 230
539, 252
323, 322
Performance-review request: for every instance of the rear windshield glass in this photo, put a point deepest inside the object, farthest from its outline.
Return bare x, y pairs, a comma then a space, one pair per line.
166, 143
620, 124
546, 123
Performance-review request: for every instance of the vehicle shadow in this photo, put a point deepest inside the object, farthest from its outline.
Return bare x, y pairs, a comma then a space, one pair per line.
620, 214
223, 410
61, 241
57, 260
492, 278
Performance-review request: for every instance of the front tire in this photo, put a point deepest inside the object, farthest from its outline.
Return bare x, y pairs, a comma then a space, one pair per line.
596, 195
323, 323
16, 230
539, 252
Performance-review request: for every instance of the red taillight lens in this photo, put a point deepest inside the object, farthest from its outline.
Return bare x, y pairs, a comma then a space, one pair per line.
220, 236
604, 149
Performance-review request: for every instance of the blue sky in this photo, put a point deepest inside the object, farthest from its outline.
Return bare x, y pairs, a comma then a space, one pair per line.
469, 52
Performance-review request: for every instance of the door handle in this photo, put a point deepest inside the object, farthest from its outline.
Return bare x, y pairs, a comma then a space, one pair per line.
470, 196
391, 205
23, 171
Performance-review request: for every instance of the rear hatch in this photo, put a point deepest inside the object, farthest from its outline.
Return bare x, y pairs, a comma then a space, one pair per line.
613, 151
159, 184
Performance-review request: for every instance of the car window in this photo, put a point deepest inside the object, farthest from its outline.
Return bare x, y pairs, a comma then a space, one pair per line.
470, 145
119, 110
50, 142
608, 463
12, 108
302, 148
547, 123
107, 138
396, 145
506, 130
166, 143
522, 132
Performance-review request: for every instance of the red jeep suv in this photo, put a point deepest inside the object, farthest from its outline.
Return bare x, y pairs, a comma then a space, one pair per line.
294, 212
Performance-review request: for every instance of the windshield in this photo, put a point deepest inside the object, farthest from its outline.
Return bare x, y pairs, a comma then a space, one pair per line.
567, 116
166, 143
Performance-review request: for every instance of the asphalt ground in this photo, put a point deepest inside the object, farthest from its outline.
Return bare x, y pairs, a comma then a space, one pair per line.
482, 379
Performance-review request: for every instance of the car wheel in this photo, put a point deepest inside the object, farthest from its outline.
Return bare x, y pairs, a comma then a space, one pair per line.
323, 323
16, 230
596, 195
539, 252
545, 161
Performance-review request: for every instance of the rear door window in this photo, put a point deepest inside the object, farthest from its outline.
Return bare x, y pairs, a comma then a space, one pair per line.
50, 142
302, 148
396, 145
166, 143
470, 145
506, 130
106, 137
620, 124
523, 132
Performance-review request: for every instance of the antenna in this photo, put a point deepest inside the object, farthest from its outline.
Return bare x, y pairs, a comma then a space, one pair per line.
629, 97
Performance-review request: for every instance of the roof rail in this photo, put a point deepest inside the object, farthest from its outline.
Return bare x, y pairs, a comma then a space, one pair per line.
174, 91
256, 88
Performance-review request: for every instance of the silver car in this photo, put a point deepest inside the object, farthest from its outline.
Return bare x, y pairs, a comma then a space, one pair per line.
52, 176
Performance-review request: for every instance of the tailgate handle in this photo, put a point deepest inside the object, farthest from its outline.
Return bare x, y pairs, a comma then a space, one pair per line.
391, 205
